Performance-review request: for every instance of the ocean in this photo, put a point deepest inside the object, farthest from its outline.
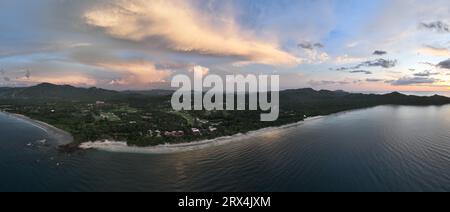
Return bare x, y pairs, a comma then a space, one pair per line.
385, 148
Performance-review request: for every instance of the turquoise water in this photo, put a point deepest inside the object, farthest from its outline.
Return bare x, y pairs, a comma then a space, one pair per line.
386, 148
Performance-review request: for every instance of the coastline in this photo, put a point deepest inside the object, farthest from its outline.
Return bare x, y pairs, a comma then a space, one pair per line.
122, 147
60, 136
63, 138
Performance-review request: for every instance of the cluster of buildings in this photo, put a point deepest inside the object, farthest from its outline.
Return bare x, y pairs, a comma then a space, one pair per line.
175, 134
179, 133
109, 116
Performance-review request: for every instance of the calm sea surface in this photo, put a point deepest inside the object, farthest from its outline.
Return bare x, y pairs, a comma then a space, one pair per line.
386, 148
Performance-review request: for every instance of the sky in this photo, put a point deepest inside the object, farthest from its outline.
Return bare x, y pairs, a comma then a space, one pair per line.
353, 45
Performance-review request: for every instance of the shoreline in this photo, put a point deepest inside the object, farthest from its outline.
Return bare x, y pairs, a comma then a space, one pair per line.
63, 138
122, 147
60, 136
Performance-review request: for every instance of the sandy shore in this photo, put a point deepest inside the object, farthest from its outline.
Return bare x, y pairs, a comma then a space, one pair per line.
121, 147
61, 137
64, 138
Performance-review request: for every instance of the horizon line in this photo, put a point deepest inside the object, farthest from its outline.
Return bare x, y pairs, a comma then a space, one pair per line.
283, 89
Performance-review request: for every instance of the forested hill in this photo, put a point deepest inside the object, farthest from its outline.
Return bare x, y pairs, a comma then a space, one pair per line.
49, 91
145, 118
289, 99
318, 102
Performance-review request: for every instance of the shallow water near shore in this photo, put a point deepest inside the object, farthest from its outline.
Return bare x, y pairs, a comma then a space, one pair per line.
386, 148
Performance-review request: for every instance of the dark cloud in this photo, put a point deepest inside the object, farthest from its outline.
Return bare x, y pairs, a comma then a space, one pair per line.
327, 82
437, 26
310, 46
28, 74
425, 74
343, 68
372, 63
379, 52
444, 64
379, 63
319, 45
413, 81
360, 71
412, 69
373, 80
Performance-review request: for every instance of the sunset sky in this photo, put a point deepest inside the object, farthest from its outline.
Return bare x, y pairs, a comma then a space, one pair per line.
354, 45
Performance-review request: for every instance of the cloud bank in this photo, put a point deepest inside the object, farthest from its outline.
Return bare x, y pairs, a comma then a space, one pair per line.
444, 64
437, 26
184, 28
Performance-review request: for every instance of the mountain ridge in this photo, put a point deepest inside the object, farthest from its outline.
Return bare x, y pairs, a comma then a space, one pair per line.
129, 116
70, 93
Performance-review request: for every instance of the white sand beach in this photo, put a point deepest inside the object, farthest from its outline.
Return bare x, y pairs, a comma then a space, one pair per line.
61, 136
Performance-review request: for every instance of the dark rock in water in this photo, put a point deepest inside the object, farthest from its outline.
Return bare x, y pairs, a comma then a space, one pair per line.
69, 148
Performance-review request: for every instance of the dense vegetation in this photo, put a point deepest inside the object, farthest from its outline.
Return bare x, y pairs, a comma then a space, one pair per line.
145, 118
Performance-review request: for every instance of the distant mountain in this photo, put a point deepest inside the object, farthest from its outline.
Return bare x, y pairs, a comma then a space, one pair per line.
296, 99
156, 92
309, 92
320, 102
295, 105
58, 92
